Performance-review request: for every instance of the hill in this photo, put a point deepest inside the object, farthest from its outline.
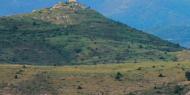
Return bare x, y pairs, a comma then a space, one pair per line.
70, 33
156, 16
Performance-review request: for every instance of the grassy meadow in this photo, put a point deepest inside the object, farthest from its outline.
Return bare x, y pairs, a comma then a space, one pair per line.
147, 78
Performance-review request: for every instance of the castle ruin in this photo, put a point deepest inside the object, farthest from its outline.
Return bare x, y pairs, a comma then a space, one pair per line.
72, 1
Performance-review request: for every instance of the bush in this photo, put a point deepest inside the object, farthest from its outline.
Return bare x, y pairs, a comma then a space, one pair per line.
24, 66
140, 46
131, 93
161, 75
119, 76
79, 87
135, 61
78, 50
140, 68
162, 58
16, 76
178, 89
187, 75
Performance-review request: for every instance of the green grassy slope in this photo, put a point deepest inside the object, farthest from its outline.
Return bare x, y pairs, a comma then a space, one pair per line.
73, 34
135, 79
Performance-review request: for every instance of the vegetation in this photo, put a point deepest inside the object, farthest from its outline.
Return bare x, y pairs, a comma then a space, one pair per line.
74, 34
107, 79
187, 74
71, 34
119, 76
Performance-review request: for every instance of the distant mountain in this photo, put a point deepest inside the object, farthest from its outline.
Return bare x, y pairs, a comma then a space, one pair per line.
70, 33
153, 16
176, 34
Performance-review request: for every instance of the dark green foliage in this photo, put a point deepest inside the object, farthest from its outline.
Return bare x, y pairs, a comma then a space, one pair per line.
24, 66
16, 76
140, 46
140, 68
161, 75
119, 76
187, 74
131, 93
79, 87
178, 90
87, 38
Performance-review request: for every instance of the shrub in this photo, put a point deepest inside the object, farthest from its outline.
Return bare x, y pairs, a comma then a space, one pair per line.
178, 89
140, 46
16, 76
129, 46
135, 61
140, 68
183, 69
119, 76
161, 58
24, 66
131, 93
79, 87
161, 75
187, 75
78, 50
34, 23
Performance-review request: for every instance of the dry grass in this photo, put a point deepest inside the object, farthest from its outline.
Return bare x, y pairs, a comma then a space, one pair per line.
183, 56
90, 79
